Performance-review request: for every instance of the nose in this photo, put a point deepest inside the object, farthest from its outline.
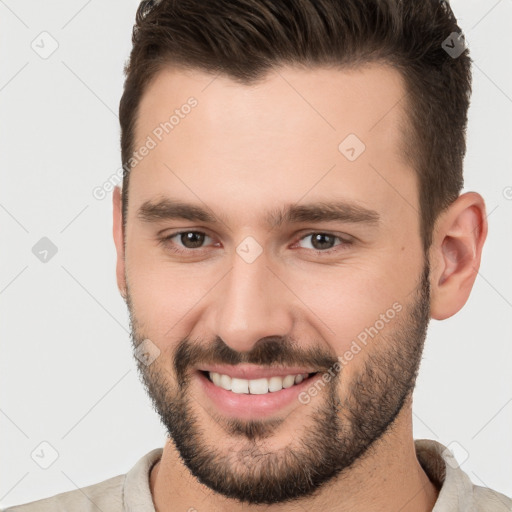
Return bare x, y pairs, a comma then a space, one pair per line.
251, 303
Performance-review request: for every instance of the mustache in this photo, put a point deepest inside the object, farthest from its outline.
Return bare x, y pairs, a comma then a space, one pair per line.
268, 351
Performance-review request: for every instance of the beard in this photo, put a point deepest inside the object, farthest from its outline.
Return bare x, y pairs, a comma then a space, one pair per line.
341, 429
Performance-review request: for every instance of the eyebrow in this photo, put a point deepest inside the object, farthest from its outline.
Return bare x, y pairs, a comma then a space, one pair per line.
168, 209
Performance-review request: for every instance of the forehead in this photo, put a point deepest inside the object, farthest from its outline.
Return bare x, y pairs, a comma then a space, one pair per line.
295, 132
367, 100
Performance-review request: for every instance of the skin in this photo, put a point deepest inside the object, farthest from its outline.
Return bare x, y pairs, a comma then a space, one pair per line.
245, 150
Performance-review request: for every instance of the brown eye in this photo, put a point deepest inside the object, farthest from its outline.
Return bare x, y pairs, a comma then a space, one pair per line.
192, 239
185, 241
323, 242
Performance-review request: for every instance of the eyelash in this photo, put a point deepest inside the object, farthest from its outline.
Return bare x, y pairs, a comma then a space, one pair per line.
166, 241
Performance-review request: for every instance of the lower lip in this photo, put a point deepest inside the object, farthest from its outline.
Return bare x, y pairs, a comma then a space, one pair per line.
247, 406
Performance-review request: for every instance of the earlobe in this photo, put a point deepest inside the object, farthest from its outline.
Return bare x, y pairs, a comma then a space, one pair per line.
456, 252
117, 231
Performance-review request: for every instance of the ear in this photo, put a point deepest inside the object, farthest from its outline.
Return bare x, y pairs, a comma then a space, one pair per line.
455, 254
119, 240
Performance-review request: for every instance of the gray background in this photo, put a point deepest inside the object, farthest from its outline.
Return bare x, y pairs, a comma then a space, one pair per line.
67, 375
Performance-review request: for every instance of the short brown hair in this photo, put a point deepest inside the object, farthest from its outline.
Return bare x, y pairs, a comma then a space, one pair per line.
244, 39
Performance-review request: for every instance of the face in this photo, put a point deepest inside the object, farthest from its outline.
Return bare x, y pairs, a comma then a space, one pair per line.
262, 243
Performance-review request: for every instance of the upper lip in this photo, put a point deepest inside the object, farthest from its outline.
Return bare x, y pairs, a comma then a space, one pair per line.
255, 372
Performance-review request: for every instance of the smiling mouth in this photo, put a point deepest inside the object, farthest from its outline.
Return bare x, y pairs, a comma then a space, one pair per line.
260, 386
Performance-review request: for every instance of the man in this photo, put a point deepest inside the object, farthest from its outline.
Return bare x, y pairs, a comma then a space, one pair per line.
289, 222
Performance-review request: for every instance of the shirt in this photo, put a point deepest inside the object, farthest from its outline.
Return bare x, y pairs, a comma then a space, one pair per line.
131, 492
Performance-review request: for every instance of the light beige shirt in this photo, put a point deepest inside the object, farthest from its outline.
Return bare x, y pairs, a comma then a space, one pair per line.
131, 492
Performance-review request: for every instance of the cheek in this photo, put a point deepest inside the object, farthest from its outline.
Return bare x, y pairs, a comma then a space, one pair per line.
164, 294
346, 304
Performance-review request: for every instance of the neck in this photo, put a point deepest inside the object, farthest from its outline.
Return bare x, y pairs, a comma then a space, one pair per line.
386, 479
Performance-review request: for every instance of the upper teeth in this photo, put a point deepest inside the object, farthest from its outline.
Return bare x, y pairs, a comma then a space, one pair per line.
255, 386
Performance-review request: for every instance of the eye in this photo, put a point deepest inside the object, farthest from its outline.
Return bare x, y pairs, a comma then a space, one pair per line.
324, 242
190, 241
